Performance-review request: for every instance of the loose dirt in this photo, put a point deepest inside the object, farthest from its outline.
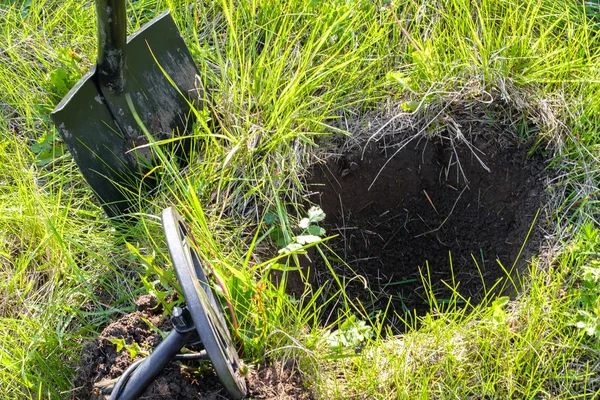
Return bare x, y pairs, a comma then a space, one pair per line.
101, 365
413, 220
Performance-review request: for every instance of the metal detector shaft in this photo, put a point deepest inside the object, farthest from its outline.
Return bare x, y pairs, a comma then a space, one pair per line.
152, 365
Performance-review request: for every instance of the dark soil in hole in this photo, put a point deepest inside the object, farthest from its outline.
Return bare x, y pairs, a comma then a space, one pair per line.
101, 364
420, 209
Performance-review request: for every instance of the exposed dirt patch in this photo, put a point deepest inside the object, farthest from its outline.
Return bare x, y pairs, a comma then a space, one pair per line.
101, 365
277, 381
401, 213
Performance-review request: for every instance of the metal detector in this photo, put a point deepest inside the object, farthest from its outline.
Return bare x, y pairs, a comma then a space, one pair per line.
199, 322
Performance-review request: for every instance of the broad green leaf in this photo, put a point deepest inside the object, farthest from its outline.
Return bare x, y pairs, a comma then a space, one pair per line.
315, 214
306, 239
304, 222
399, 77
410, 105
290, 248
316, 230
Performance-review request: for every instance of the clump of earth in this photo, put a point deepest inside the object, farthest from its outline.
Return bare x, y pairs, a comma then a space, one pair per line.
101, 365
420, 217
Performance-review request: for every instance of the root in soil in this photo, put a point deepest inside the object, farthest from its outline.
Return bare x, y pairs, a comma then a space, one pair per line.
432, 211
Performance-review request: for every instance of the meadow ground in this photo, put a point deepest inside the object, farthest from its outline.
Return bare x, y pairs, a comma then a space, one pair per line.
443, 90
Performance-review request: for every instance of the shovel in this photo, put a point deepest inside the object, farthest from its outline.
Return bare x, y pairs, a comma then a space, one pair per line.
149, 76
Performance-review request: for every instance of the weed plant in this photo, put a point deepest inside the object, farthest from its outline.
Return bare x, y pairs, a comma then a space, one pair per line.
282, 79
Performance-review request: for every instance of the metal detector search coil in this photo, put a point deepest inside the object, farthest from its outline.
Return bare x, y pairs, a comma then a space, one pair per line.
202, 304
201, 321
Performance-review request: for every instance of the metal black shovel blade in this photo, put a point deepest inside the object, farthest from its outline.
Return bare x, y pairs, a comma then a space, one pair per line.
98, 125
97, 144
159, 77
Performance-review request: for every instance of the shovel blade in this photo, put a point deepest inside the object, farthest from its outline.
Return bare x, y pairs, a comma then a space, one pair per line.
160, 80
96, 143
100, 128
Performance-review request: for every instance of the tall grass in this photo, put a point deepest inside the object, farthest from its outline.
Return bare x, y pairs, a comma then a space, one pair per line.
281, 80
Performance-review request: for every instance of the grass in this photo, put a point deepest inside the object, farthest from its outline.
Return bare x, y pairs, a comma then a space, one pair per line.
283, 81
514, 350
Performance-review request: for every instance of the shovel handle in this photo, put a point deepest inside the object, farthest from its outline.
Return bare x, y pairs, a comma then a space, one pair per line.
112, 38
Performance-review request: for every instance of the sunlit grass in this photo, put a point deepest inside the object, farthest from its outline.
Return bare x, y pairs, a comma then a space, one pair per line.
281, 80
